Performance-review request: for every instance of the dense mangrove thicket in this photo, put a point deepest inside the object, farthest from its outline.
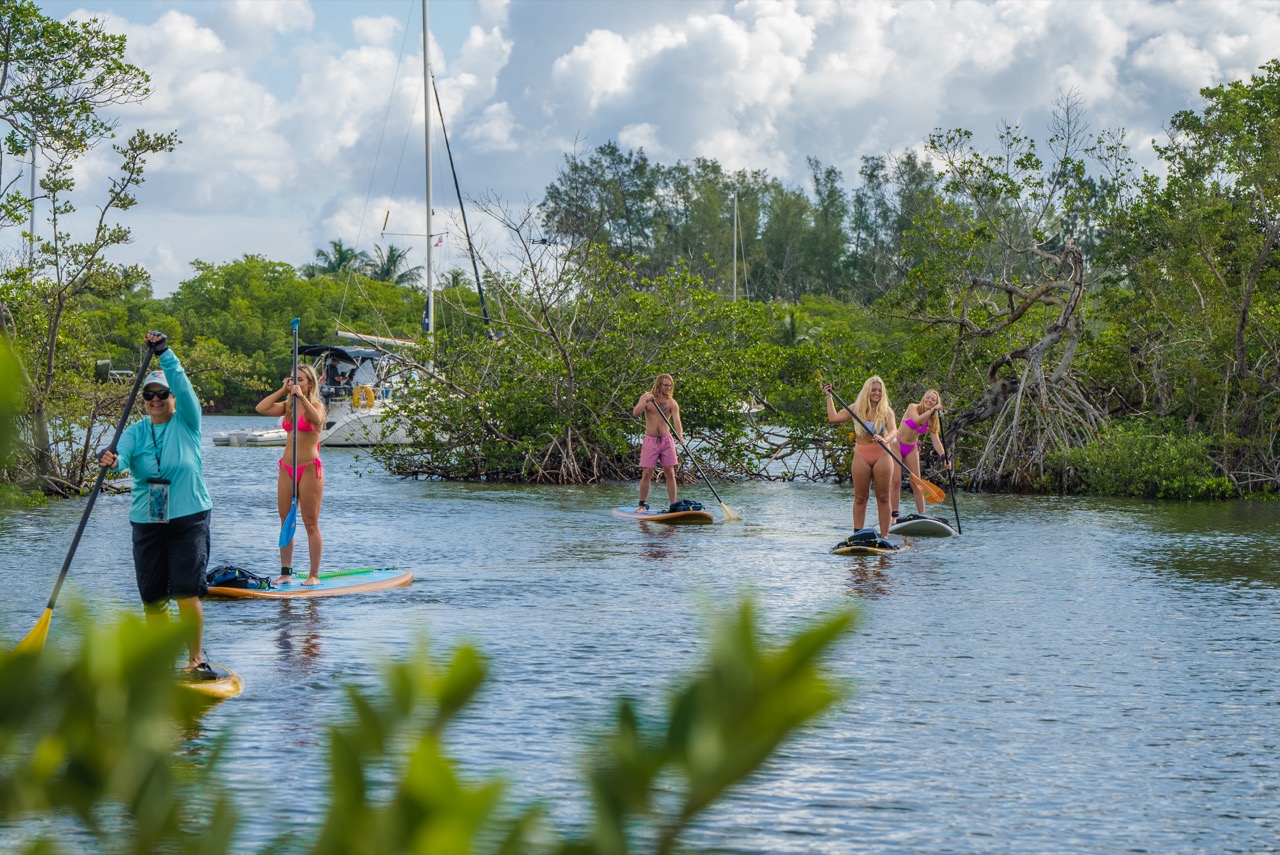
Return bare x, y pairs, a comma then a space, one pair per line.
1090, 325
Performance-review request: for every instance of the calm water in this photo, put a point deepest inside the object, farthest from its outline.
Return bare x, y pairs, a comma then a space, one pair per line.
1067, 676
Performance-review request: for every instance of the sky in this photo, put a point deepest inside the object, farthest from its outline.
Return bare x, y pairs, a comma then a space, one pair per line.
302, 121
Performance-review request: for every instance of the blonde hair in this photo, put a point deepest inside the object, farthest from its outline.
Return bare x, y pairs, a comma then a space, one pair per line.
657, 382
313, 394
936, 425
879, 417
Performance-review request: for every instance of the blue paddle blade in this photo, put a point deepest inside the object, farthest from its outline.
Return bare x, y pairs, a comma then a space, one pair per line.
290, 525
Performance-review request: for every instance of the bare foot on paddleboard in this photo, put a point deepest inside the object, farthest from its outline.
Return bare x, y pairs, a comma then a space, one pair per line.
311, 580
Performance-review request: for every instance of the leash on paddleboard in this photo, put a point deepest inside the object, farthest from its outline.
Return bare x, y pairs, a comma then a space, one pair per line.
34, 642
932, 492
730, 515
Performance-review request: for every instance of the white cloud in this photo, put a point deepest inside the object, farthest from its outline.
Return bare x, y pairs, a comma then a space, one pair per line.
376, 32
292, 113
597, 69
494, 130
1176, 58
642, 135
276, 16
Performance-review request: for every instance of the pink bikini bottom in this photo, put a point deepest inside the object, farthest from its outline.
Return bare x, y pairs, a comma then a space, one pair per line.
297, 474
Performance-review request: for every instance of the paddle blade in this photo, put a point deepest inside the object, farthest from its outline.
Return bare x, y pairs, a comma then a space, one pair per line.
932, 492
730, 515
34, 642
290, 525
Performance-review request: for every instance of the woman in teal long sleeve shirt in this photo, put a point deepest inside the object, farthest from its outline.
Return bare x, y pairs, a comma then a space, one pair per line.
170, 510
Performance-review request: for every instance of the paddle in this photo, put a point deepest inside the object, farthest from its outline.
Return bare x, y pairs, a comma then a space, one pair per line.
34, 642
932, 492
290, 525
951, 471
730, 515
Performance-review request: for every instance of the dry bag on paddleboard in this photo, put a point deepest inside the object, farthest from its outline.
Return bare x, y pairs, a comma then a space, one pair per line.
231, 576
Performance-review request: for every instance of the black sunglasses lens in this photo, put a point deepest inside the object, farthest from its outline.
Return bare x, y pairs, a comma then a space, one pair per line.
162, 394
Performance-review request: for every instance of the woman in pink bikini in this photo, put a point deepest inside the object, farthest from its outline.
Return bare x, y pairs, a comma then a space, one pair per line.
916, 422
308, 475
870, 463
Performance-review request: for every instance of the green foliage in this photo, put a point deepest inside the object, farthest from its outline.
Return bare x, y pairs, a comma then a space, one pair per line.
240, 312
552, 402
1152, 459
93, 735
90, 734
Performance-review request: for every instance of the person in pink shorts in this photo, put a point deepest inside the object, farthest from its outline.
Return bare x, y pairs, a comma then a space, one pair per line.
659, 447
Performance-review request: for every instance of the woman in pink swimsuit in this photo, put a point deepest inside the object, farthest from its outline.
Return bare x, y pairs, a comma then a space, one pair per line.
870, 463
308, 475
916, 422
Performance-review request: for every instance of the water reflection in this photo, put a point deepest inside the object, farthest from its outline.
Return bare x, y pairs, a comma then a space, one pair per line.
1017, 684
659, 540
871, 577
298, 632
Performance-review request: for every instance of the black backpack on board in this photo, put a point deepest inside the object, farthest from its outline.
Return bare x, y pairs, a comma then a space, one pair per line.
231, 576
684, 505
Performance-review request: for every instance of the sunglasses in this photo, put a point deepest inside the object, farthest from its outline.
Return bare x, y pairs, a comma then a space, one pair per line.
153, 394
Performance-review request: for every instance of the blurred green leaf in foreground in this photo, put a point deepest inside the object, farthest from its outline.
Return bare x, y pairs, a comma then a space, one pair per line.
90, 745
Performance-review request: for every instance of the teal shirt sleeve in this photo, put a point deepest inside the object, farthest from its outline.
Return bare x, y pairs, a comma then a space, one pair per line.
170, 451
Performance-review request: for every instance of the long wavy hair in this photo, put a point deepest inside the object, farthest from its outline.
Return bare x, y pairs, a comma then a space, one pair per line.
657, 383
935, 428
878, 418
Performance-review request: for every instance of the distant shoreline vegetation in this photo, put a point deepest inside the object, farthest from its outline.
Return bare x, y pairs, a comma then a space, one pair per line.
1091, 327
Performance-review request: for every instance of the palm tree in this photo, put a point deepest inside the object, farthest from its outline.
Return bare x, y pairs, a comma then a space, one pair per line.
794, 328
341, 259
389, 266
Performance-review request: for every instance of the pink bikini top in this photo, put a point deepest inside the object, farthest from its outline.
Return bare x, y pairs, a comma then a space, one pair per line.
303, 425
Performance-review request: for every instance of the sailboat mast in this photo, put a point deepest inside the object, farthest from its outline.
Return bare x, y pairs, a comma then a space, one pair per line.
428, 317
735, 246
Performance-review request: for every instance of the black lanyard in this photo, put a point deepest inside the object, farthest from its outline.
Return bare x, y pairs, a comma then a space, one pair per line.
156, 445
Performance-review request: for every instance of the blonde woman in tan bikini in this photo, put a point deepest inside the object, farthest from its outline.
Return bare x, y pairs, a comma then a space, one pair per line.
917, 421
870, 462
308, 475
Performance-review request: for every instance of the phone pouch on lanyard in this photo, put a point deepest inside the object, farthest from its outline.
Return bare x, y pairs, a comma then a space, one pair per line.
157, 500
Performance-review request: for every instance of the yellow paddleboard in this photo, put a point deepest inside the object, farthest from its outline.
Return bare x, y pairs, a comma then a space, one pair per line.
228, 685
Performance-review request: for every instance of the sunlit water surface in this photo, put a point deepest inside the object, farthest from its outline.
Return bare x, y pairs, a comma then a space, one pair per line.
1068, 675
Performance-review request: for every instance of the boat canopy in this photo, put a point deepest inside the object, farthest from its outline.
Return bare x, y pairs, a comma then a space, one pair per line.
350, 355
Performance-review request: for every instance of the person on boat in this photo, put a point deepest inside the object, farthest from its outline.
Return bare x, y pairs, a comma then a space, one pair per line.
170, 507
917, 421
300, 395
333, 375
870, 462
658, 447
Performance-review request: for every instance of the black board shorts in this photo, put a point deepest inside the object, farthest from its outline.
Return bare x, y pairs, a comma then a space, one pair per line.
170, 558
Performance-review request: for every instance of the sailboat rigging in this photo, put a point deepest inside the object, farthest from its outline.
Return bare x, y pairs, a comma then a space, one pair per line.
495, 335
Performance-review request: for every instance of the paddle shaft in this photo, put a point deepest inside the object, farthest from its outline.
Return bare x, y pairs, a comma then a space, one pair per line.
289, 525
685, 445
951, 472
913, 476
102, 474
294, 401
